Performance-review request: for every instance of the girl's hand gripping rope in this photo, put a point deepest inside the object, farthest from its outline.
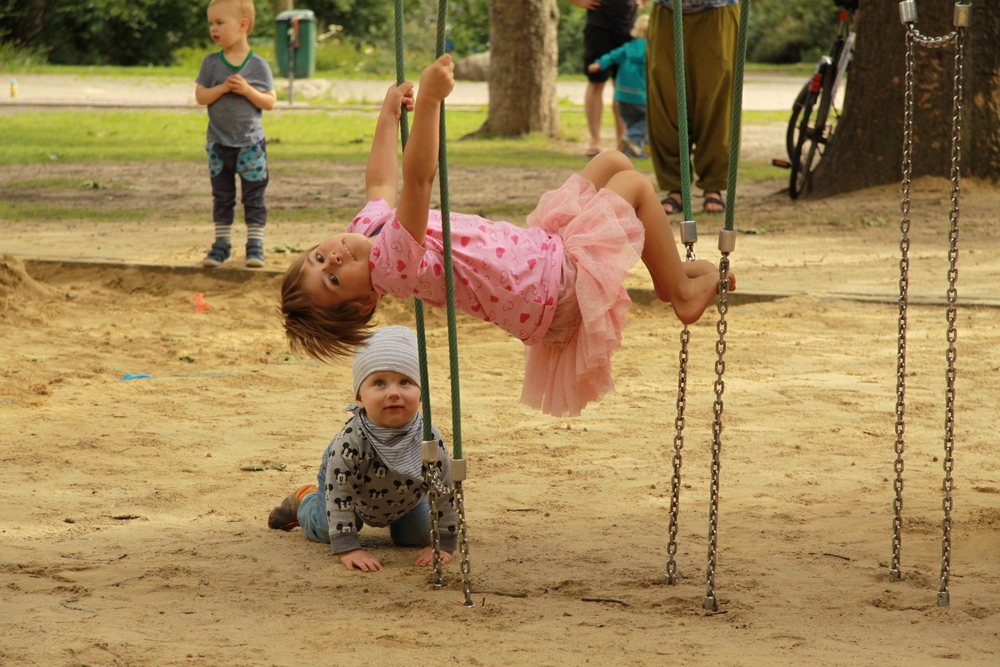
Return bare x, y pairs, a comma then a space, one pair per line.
438, 80
396, 98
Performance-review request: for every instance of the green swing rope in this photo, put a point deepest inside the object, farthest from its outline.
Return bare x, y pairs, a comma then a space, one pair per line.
682, 113
735, 126
456, 413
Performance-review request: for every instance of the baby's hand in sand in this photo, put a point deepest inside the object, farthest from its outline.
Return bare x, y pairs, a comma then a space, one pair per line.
359, 559
438, 80
426, 557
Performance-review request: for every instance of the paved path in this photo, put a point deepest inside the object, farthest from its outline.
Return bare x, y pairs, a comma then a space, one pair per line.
760, 92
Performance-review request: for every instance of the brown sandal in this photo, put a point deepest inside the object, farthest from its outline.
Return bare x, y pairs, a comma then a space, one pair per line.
716, 200
672, 204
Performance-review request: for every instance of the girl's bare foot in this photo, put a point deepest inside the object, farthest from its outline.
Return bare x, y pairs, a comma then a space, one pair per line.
701, 288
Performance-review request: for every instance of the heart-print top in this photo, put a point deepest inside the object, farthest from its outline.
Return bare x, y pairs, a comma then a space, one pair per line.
504, 274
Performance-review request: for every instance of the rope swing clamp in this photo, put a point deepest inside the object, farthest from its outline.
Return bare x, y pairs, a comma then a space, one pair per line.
727, 240
963, 15
908, 12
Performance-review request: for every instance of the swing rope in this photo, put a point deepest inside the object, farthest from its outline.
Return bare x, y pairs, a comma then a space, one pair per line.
961, 20
727, 239
436, 486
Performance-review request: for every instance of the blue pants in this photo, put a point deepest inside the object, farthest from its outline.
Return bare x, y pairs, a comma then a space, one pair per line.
413, 529
634, 117
250, 162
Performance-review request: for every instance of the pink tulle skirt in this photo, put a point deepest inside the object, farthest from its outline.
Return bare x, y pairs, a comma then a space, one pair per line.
603, 239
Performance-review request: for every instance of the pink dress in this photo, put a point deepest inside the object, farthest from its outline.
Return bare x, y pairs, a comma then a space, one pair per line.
557, 285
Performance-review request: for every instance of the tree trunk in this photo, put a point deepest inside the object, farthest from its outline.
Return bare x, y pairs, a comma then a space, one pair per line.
524, 54
867, 148
282, 6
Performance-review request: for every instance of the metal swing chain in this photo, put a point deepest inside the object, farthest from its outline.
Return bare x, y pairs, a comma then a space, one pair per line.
949, 422
463, 544
438, 489
904, 281
711, 604
961, 21
432, 476
675, 481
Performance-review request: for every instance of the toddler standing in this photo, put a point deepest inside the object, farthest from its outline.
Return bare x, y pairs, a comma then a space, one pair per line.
235, 84
372, 471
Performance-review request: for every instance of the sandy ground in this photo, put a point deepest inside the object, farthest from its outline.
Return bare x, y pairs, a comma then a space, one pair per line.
133, 513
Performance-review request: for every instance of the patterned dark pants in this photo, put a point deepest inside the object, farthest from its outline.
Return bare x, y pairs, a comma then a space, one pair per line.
250, 162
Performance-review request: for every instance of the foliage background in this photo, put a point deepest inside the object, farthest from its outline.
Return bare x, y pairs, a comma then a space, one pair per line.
174, 32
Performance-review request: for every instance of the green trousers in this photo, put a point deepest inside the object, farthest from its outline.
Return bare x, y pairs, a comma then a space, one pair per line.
709, 62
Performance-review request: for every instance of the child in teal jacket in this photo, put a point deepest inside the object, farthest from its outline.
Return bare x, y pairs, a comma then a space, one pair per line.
630, 85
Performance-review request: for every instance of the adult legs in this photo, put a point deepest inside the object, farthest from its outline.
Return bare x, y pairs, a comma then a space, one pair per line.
710, 55
593, 109
661, 100
619, 123
709, 52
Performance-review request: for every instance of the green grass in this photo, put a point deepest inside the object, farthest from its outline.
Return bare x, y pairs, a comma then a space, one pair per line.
155, 136
47, 212
297, 141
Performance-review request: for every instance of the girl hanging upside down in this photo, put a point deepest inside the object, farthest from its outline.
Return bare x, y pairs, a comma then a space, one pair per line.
556, 285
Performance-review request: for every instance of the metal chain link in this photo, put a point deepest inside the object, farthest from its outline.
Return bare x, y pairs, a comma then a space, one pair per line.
711, 604
675, 479
933, 42
949, 410
463, 544
904, 280
432, 477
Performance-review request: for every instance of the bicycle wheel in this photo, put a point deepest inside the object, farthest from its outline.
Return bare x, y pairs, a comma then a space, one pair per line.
802, 141
792, 135
810, 139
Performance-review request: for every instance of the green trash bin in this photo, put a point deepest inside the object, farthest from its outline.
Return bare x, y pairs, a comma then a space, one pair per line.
295, 36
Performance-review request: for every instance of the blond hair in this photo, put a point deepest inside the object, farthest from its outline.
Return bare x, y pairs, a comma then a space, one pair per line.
246, 8
640, 27
324, 334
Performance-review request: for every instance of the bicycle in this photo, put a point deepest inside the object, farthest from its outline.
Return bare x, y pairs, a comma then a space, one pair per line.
808, 134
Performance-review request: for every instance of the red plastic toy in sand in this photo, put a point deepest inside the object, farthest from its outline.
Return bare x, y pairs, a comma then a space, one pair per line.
200, 305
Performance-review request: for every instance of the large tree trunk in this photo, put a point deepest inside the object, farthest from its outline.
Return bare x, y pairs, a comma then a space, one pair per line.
867, 148
524, 54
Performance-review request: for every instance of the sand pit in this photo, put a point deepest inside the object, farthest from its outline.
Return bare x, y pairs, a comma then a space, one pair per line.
134, 511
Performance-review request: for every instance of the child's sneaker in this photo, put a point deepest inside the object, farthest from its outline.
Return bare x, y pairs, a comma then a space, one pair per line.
631, 149
286, 515
255, 255
218, 254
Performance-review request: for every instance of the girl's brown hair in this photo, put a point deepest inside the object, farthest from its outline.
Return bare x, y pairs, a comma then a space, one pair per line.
323, 334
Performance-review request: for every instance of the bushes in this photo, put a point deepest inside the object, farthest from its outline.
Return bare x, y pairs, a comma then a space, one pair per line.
159, 32
790, 31
779, 31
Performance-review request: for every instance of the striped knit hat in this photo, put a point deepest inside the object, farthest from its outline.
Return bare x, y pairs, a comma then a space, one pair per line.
388, 349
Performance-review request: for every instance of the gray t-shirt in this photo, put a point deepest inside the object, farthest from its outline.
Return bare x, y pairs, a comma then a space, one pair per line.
233, 120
